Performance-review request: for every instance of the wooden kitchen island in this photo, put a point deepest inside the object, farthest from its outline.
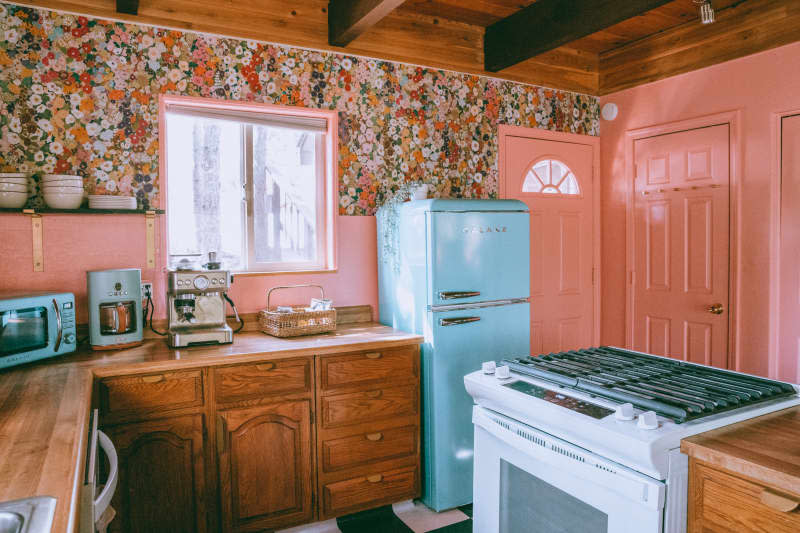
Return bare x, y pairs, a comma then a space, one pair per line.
746, 477
263, 433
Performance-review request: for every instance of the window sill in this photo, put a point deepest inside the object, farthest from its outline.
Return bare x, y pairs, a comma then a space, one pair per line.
249, 274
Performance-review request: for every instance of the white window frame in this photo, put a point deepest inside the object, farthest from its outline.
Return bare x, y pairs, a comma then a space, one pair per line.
326, 150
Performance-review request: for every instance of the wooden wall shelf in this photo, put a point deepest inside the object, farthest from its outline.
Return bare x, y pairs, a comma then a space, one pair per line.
82, 211
37, 228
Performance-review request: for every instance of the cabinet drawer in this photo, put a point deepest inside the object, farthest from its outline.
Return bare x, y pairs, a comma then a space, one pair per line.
369, 447
369, 368
160, 391
723, 502
368, 491
364, 406
262, 379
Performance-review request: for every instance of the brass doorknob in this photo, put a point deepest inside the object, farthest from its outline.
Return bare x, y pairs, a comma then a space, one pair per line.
716, 309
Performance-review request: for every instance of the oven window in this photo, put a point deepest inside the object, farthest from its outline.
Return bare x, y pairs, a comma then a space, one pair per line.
529, 504
23, 330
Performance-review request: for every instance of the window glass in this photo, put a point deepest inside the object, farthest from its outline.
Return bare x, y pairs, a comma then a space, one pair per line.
284, 195
250, 187
205, 193
551, 177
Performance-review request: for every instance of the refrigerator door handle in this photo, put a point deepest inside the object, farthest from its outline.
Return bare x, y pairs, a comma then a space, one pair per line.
458, 320
453, 295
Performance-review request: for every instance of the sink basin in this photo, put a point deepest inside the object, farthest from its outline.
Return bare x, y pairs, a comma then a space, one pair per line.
11, 522
30, 515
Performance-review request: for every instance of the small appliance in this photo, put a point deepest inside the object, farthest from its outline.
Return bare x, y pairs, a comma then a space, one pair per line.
590, 439
115, 308
196, 306
36, 325
458, 272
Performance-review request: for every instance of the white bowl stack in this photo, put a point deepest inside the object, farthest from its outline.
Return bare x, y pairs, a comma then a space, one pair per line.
62, 191
106, 201
13, 189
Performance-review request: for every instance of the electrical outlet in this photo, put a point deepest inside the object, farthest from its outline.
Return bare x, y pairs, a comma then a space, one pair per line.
147, 288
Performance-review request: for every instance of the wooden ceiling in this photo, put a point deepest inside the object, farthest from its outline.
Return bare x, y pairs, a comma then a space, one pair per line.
662, 42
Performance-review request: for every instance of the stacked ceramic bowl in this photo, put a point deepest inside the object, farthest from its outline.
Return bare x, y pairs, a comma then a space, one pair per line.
13, 189
62, 191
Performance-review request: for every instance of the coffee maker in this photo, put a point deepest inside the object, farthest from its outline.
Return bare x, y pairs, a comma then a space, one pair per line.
196, 306
115, 308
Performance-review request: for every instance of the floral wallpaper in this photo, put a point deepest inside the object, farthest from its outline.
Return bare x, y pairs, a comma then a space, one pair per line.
80, 95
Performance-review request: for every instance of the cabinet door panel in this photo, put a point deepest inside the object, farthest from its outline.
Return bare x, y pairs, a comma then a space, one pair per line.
161, 477
265, 466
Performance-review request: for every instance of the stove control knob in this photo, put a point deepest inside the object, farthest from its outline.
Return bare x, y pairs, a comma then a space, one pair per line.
624, 412
502, 372
647, 420
489, 367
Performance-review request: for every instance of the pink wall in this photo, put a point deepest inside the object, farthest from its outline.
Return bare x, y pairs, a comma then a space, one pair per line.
757, 85
74, 244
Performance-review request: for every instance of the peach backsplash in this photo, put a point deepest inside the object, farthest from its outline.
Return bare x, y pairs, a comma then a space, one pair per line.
74, 244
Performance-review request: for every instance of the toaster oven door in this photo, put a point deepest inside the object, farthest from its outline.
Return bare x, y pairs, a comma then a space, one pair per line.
23, 330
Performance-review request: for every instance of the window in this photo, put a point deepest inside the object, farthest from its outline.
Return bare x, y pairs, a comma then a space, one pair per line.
253, 183
552, 177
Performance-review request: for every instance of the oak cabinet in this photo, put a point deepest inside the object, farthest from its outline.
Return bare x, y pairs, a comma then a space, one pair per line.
161, 476
722, 502
264, 445
265, 468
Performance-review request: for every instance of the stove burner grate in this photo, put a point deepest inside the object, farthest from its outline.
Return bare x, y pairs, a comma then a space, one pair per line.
674, 389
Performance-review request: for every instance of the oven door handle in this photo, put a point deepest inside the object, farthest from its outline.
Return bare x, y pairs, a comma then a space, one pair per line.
59, 327
102, 502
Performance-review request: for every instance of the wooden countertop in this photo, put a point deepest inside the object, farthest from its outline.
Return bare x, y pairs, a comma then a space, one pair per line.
44, 407
766, 449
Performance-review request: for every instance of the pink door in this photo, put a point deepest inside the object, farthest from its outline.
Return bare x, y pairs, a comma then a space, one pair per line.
555, 180
789, 316
680, 281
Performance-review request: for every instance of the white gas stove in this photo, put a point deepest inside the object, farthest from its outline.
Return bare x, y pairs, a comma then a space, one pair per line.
588, 441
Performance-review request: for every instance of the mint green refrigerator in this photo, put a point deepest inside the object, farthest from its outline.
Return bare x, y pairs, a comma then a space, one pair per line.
457, 272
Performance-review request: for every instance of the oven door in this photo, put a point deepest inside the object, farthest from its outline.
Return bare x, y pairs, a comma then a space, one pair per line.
528, 480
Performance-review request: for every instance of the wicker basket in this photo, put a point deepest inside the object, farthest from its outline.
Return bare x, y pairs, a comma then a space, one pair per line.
300, 322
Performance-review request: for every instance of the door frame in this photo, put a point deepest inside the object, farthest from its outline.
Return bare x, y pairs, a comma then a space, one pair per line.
733, 120
504, 132
776, 195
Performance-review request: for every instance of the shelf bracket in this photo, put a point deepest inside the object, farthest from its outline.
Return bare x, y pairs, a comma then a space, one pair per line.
36, 235
150, 236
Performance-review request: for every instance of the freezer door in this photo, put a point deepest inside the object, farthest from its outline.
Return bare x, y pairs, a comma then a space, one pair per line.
478, 257
460, 341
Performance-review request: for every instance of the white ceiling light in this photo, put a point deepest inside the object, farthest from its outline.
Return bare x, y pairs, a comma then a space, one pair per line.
706, 11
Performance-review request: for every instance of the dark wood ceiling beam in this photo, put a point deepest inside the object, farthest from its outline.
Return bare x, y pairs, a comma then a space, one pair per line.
548, 24
129, 7
347, 19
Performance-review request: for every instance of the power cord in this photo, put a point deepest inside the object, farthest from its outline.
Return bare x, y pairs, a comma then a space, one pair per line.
235, 313
150, 309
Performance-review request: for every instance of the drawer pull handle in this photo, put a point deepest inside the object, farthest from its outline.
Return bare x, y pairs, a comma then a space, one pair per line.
374, 394
374, 437
778, 501
153, 379
377, 478
265, 366
373, 355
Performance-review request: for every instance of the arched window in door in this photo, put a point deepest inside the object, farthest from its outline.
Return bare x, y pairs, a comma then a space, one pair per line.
551, 177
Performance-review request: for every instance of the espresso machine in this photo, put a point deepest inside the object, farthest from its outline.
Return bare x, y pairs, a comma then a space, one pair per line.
115, 308
196, 306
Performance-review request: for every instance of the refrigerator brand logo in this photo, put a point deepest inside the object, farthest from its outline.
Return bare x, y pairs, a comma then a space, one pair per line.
485, 229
